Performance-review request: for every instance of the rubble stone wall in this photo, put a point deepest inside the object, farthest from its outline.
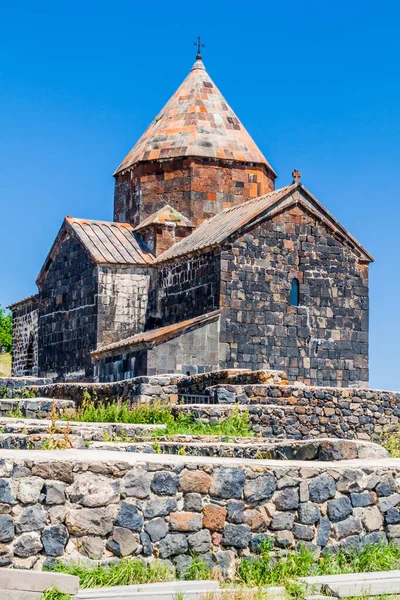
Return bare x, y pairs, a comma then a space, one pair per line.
59, 505
25, 338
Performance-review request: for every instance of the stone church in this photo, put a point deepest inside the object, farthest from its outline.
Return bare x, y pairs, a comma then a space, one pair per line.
207, 265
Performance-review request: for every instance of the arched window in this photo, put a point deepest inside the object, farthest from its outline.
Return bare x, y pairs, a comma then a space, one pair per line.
294, 293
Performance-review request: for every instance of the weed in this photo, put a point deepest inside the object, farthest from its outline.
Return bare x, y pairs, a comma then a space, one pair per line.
391, 442
182, 451
156, 446
16, 413
198, 570
54, 594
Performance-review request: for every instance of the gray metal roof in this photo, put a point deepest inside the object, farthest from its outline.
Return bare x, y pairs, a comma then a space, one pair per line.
111, 243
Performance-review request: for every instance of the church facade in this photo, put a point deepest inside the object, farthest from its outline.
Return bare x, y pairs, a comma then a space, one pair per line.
207, 265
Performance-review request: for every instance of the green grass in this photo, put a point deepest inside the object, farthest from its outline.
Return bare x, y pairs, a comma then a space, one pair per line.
235, 425
304, 563
126, 572
5, 364
266, 570
54, 594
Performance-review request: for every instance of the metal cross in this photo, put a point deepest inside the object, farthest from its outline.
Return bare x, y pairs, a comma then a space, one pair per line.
199, 46
296, 176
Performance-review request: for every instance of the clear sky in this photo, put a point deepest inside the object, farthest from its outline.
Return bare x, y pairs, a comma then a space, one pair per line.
315, 83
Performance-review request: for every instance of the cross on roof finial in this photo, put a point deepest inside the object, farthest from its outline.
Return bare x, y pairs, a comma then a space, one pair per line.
296, 176
199, 46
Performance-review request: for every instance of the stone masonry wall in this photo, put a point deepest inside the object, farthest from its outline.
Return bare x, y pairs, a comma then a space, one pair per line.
197, 188
25, 338
122, 302
324, 340
187, 288
61, 505
68, 315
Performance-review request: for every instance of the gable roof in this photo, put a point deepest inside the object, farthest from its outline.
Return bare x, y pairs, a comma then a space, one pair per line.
239, 218
166, 214
196, 121
152, 337
106, 242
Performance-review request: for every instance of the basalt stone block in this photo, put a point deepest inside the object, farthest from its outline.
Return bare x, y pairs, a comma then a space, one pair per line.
260, 488
308, 513
284, 539
32, 518
287, 499
392, 517
137, 483
29, 489
223, 396
54, 540
147, 546
92, 547
235, 510
28, 544
347, 527
282, 520
372, 518
159, 507
193, 502
54, 493
324, 531
376, 537
339, 509
237, 536
200, 542
303, 532
6, 528
6, 495
182, 564
89, 521
123, 542
129, 517
386, 487
363, 499
214, 517
5, 556
322, 488
172, 544
228, 483
164, 483
157, 529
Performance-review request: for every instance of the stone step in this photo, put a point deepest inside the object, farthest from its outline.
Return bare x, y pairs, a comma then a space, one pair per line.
191, 590
37, 581
87, 430
356, 584
19, 595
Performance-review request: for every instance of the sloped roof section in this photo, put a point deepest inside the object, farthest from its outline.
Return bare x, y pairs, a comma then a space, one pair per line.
106, 242
166, 215
111, 243
159, 335
216, 230
198, 122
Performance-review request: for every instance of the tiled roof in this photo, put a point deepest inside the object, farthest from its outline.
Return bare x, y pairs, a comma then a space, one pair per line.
111, 243
196, 121
166, 214
157, 336
218, 228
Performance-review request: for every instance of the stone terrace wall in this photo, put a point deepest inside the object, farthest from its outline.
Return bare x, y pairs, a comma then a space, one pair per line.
306, 412
69, 505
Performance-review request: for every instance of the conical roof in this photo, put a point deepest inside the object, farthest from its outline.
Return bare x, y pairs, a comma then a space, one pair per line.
196, 121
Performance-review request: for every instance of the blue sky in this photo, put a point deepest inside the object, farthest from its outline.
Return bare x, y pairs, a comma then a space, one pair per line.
316, 84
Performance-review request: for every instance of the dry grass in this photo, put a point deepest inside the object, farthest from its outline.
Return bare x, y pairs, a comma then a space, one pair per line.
5, 364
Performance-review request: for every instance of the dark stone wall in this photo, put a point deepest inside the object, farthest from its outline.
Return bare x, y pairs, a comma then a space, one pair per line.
198, 188
25, 338
68, 314
186, 288
324, 340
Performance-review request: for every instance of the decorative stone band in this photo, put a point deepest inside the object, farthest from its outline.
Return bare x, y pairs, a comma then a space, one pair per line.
104, 504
